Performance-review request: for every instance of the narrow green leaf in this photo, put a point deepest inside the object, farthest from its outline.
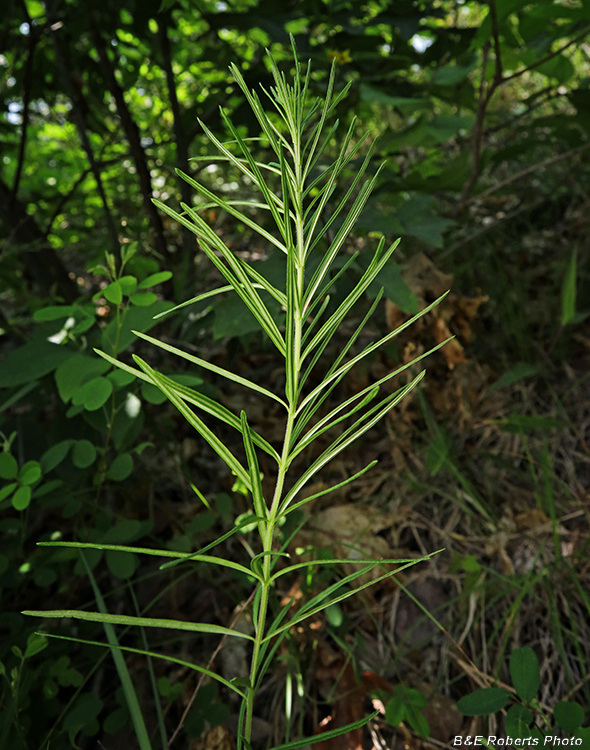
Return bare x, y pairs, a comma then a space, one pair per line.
348, 437
376, 345
146, 622
568, 290
230, 207
352, 478
325, 598
329, 735
260, 508
154, 655
179, 557
197, 399
213, 368
217, 445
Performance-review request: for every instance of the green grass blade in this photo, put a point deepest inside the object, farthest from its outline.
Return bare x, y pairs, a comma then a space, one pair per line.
124, 677
154, 655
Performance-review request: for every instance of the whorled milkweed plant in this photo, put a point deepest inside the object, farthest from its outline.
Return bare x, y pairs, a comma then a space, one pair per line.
298, 191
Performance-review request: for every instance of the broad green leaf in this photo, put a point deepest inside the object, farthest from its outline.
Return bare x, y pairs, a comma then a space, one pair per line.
395, 709
417, 721
77, 371
569, 715
407, 105
35, 644
83, 454
113, 293
143, 299
31, 362
155, 279
120, 468
7, 490
93, 394
83, 717
525, 674
8, 466
122, 564
518, 719
483, 702
29, 473
54, 312
449, 75
21, 498
55, 455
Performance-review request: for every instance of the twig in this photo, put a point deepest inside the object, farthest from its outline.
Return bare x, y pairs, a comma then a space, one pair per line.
486, 92
86, 145
132, 133
27, 76
529, 170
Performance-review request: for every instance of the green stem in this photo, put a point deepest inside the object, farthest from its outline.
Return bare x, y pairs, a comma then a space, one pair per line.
267, 538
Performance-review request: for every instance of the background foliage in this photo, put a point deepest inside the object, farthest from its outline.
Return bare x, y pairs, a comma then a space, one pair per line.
481, 110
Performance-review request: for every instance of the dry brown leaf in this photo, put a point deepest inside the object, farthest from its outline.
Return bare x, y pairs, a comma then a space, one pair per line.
350, 704
443, 718
452, 350
531, 519
216, 738
350, 531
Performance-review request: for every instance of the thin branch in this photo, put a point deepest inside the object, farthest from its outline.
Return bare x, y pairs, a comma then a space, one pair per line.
486, 92
27, 85
85, 141
529, 170
132, 133
499, 74
483, 99
548, 57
